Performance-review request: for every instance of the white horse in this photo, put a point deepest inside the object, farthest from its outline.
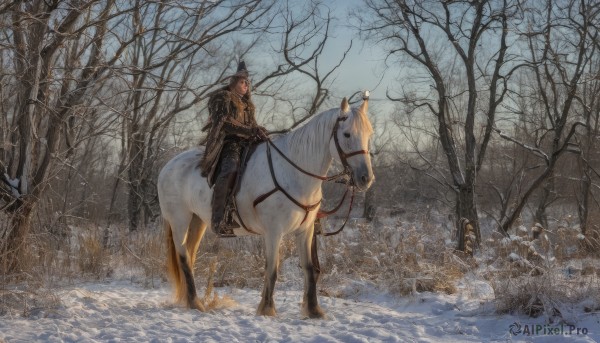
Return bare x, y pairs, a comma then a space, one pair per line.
185, 198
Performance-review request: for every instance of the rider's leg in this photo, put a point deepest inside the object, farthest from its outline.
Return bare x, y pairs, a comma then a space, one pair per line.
222, 188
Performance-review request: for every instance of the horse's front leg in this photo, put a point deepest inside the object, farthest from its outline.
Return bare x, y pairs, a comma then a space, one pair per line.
310, 304
267, 305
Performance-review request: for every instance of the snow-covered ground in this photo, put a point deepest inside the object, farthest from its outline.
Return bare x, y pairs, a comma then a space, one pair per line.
369, 308
126, 312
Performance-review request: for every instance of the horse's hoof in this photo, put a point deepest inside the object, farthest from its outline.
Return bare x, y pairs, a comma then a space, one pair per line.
314, 313
267, 311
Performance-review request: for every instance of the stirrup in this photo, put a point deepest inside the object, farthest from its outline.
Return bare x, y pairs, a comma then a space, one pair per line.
224, 231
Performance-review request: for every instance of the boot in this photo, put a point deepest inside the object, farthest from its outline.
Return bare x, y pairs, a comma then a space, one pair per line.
219, 204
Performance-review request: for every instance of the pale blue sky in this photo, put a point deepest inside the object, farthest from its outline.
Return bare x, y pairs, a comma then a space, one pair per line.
364, 66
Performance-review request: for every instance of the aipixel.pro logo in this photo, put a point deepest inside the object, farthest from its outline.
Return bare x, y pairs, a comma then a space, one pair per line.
545, 330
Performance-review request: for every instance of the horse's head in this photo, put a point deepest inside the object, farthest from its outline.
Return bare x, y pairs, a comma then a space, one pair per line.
352, 134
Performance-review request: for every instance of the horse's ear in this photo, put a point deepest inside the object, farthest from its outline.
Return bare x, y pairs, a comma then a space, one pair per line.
345, 107
365, 105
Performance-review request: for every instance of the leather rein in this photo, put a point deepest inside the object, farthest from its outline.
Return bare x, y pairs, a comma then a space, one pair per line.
349, 181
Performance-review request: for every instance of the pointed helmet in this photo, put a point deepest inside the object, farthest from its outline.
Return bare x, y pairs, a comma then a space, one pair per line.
241, 72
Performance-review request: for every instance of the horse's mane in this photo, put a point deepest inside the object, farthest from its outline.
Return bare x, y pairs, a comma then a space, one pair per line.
305, 142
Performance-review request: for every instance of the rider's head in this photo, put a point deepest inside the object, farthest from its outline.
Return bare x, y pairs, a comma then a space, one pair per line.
240, 81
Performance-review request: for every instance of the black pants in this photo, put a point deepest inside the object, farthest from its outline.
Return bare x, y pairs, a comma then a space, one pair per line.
229, 161
226, 174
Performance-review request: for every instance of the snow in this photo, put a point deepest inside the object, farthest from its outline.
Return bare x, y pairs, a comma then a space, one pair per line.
124, 311
125, 308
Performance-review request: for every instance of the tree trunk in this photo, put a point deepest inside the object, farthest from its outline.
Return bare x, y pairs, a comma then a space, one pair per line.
369, 205
136, 161
134, 205
466, 208
543, 202
583, 200
13, 249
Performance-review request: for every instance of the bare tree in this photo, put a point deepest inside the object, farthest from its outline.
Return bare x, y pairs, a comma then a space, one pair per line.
166, 74
559, 38
423, 34
588, 160
57, 56
302, 35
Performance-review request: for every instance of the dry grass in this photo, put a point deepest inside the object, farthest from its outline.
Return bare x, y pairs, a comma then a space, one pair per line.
142, 254
397, 257
211, 299
542, 277
93, 258
393, 258
27, 301
239, 262
85, 254
552, 294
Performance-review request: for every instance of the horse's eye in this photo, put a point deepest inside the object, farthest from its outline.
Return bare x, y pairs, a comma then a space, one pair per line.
347, 134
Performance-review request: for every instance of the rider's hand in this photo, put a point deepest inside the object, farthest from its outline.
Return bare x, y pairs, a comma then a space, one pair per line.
261, 133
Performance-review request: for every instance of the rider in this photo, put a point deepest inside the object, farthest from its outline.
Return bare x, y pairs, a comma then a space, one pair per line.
232, 125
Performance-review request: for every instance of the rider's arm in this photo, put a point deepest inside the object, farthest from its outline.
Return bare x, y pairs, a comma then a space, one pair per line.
220, 110
234, 127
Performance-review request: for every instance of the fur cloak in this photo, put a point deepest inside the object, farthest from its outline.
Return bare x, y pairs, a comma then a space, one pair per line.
230, 116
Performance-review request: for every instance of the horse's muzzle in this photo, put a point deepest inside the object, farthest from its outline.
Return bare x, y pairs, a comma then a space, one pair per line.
363, 178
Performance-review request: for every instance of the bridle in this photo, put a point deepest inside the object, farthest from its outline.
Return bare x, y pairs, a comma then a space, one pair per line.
347, 172
343, 155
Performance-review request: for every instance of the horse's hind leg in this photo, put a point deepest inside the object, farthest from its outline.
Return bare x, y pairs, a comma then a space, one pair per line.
310, 304
267, 305
185, 237
196, 231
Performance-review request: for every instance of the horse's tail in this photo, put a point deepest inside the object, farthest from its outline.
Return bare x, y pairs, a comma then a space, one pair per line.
173, 268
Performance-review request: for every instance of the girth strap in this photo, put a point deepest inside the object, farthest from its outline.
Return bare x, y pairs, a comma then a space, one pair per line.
235, 208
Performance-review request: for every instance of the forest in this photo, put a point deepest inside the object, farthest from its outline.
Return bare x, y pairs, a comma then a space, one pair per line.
491, 118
